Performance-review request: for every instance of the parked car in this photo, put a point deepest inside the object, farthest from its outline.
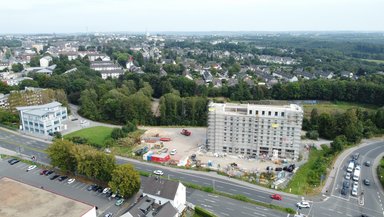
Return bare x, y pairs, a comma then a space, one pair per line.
367, 182
70, 181
31, 168
62, 178
108, 214
276, 197
355, 184
303, 204
90, 188
106, 190
354, 192
356, 156
173, 152
367, 163
278, 169
346, 184
13, 161
43, 172
49, 172
100, 189
119, 202
348, 176
344, 191
158, 172
54, 177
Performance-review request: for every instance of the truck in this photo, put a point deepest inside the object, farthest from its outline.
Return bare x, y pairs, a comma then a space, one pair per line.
185, 132
350, 167
356, 174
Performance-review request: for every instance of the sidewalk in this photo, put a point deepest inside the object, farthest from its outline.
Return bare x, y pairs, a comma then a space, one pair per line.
25, 135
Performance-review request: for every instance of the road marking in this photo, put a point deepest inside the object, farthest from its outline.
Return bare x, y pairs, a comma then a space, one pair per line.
223, 213
229, 208
212, 201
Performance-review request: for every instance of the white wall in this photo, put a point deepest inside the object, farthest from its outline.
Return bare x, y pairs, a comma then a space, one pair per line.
90, 213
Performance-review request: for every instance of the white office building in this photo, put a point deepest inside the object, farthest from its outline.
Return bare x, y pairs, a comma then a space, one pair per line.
254, 130
43, 119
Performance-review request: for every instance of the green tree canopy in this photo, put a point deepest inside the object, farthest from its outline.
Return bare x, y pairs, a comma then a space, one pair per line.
126, 180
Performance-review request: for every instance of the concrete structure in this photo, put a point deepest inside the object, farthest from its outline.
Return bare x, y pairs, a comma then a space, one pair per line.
107, 69
254, 130
146, 207
44, 61
43, 119
4, 101
164, 191
20, 200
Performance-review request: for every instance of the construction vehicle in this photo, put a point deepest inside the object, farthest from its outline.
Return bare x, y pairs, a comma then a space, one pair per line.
185, 132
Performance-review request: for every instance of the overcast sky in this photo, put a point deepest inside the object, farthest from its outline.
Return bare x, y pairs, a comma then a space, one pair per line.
68, 16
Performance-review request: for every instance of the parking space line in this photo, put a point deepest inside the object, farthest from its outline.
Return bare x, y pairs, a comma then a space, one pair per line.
80, 186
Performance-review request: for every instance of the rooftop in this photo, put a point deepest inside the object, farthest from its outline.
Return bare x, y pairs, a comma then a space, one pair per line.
160, 187
20, 200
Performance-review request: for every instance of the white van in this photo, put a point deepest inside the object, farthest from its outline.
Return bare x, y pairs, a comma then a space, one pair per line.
350, 167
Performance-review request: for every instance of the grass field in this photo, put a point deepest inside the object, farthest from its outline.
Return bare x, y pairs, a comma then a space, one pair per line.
374, 61
334, 107
298, 184
94, 134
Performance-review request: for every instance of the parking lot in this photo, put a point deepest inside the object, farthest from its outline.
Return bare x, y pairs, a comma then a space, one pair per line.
76, 190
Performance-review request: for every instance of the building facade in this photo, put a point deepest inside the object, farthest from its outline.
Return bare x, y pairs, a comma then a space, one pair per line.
254, 130
43, 119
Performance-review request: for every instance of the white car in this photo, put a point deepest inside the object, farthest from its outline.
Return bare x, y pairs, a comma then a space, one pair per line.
173, 152
106, 190
158, 172
303, 204
31, 167
348, 176
70, 181
354, 192
355, 185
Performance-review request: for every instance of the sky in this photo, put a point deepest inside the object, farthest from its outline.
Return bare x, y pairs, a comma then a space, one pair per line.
73, 16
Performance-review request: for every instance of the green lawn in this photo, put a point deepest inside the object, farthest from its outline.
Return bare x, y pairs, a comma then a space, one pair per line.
380, 171
298, 184
94, 134
374, 61
335, 107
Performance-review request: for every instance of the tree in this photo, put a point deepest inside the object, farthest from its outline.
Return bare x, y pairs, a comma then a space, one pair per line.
62, 155
125, 180
118, 133
129, 127
17, 67
338, 144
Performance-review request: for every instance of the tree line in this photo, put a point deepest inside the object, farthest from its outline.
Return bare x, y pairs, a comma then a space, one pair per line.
87, 161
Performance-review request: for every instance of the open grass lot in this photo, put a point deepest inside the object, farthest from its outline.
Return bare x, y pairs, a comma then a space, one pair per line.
374, 61
94, 134
380, 171
334, 107
298, 184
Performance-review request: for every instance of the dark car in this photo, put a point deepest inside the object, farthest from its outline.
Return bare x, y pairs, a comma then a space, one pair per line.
54, 177
43, 172
49, 172
90, 188
62, 178
13, 161
356, 156
95, 188
367, 182
346, 184
367, 163
109, 194
278, 169
100, 189
344, 191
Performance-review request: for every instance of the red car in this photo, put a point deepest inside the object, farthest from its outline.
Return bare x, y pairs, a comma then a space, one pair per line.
43, 172
276, 197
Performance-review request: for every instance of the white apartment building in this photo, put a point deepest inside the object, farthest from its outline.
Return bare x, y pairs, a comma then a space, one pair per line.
43, 119
44, 61
254, 129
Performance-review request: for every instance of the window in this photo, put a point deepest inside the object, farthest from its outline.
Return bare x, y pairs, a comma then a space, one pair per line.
282, 114
250, 112
263, 112
257, 112
269, 113
275, 113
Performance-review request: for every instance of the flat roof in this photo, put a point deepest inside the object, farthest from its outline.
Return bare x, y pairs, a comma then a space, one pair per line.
20, 200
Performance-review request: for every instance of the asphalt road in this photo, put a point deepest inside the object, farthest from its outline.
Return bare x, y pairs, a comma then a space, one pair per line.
32, 147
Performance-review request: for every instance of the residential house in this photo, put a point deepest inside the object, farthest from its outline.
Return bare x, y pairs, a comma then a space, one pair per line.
107, 69
4, 101
147, 207
44, 61
168, 61
346, 74
207, 76
98, 57
163, 191
324, 74
304, 75
4, 65
43, 119
285, 76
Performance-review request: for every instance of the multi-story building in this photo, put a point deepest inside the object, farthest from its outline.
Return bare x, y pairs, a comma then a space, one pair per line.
43, 119
107, 69
255, 130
